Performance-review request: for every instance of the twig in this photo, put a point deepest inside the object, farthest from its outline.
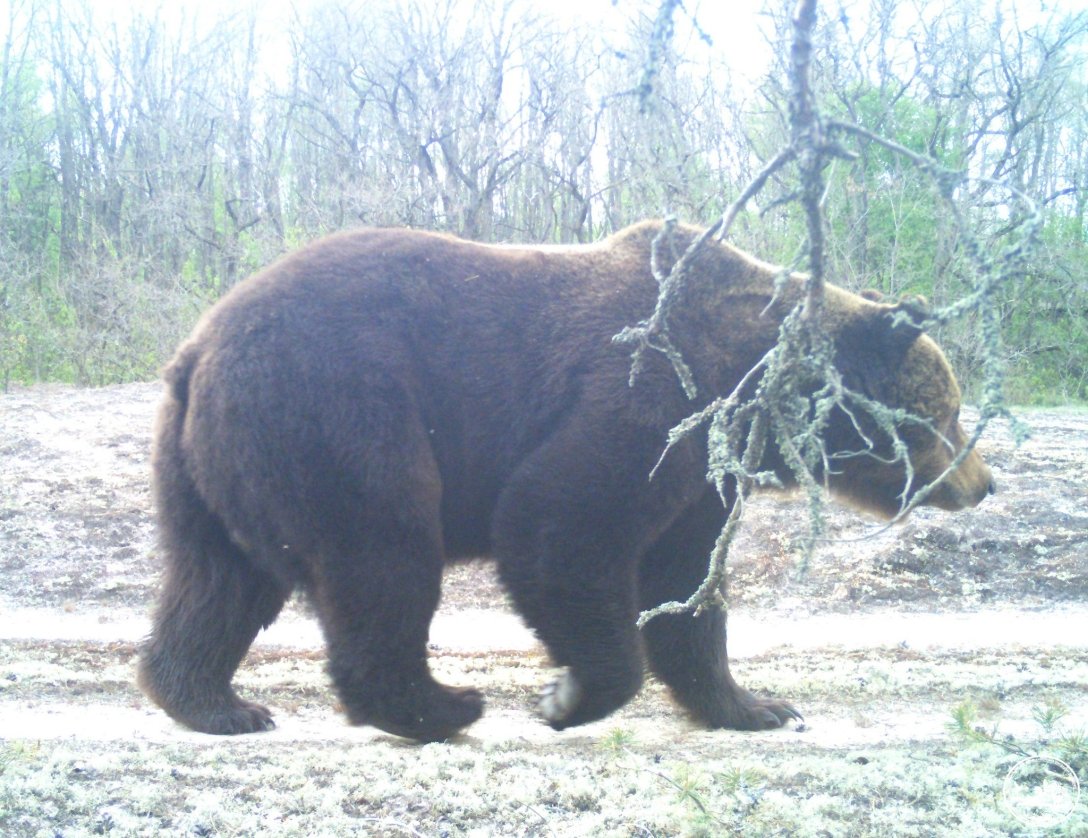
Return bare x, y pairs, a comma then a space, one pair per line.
757, 183
789, 397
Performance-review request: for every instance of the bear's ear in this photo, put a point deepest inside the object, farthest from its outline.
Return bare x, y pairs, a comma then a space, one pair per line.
907, 318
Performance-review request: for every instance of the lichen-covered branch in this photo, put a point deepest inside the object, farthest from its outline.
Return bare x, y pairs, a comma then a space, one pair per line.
787, 399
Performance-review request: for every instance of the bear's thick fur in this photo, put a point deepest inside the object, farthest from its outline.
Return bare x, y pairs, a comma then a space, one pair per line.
382, 401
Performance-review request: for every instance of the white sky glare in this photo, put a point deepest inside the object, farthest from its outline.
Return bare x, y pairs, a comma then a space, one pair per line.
734, 26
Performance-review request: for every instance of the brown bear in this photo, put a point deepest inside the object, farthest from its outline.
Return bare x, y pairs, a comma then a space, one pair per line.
383, 401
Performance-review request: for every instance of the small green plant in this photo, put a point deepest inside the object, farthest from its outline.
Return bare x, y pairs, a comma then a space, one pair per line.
1049, 714
737, 781
1069, 747
687, 782
745, 786
618, 740
13, 752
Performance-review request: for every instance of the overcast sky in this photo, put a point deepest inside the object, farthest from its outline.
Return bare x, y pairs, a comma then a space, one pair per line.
736, 26
732, 24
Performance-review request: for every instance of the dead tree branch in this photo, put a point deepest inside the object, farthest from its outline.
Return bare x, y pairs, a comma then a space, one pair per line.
787, 399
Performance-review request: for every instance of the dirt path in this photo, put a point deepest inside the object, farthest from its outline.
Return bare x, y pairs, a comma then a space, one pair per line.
877, 645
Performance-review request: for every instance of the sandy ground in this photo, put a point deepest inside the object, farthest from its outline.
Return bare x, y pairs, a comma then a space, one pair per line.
886, 634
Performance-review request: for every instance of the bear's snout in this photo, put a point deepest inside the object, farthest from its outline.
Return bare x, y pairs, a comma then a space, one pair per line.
972, 483
987, 488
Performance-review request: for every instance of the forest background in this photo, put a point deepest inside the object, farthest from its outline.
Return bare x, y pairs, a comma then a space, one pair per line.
149, 160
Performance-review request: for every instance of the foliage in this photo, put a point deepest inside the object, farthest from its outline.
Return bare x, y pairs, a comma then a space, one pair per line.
159, 157
1054, 741
1044, 775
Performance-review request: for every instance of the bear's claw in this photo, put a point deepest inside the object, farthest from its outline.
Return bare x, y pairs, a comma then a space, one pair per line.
764, 714
240, 717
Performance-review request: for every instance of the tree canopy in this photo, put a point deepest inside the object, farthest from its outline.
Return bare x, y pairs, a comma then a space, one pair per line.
149, 163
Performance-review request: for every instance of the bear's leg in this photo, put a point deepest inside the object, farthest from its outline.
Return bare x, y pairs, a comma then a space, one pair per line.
375, 588
213, 603
565, 555
376, 615
688, 653
590, 630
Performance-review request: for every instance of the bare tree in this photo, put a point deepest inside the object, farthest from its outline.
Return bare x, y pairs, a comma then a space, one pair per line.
152, 161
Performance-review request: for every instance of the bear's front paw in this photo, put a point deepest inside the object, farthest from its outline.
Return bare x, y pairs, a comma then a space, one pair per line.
559, 699
248, 717
754, 713
239, 716
432, 715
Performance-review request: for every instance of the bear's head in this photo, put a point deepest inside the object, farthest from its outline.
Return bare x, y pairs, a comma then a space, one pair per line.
881, 353
884, 355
